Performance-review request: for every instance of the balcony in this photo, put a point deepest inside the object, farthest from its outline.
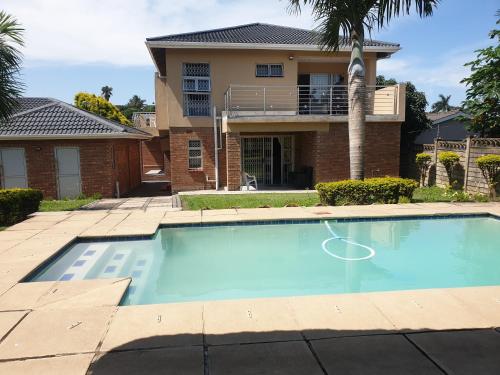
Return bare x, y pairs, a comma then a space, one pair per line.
306, 103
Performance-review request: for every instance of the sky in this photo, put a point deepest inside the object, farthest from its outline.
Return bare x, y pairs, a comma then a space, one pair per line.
82, 45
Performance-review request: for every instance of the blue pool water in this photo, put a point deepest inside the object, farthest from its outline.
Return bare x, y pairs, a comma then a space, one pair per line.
323, 257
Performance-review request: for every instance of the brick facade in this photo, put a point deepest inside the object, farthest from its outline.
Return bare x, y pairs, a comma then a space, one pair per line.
326, 152
154, 158
98, 170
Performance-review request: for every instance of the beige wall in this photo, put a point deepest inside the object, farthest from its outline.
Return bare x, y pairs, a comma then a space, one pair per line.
237, 67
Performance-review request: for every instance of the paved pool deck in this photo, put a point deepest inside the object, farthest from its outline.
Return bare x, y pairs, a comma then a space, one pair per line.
77, 327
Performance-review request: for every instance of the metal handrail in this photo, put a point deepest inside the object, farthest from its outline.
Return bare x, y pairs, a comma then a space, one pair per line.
248, 100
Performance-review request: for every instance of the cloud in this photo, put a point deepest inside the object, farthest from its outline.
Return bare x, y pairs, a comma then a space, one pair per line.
436, 74
114, 31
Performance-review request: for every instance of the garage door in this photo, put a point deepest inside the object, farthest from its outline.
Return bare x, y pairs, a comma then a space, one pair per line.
13, 168
68, 172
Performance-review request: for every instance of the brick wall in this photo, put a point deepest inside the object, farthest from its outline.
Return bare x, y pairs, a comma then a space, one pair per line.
96, 164
182, 177
328, 152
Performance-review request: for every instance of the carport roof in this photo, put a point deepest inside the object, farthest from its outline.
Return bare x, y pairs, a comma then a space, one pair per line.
49, 118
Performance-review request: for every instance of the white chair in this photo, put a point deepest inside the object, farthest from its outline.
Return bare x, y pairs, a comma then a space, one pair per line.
248, 180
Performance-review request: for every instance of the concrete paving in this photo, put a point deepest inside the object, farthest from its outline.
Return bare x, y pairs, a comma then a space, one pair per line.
77, 327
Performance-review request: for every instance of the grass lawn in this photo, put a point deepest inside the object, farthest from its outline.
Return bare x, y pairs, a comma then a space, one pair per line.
430, 194
197, 202
64, 205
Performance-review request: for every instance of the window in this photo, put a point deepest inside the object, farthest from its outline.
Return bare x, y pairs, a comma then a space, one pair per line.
194, 154
196, 86
269, 70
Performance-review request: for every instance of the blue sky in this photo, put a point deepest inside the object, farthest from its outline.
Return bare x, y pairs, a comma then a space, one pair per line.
82, 45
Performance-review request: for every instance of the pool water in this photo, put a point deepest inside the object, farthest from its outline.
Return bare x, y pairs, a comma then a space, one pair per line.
322, 257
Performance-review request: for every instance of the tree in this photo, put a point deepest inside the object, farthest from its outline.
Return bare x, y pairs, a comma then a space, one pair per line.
443, 104
99, 106
106, 92
136, 102
482, 98
415, 120
352, 18
11, 36
423, 162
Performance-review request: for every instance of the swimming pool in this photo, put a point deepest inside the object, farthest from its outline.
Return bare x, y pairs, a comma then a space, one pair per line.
194, 263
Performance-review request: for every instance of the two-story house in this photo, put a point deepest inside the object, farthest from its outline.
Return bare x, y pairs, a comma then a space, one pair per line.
266, 100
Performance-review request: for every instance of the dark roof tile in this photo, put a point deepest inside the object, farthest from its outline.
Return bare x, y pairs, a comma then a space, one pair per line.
258, 33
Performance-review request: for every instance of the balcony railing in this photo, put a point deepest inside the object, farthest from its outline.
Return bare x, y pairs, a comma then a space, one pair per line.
306, 100
144, 119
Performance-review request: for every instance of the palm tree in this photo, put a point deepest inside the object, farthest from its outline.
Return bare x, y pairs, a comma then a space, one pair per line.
342, 20
443, 104
11, 35
106, 92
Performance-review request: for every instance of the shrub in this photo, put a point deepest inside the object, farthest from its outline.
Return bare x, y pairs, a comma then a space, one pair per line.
369, 191
100, 106
449, 159
490, 166
17, 204
423, 162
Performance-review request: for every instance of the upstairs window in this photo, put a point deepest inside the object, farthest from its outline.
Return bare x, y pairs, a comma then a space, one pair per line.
194, 154
269, 70
196, 87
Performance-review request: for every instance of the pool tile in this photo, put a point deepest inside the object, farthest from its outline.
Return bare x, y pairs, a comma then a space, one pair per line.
149, 326
242, 321
63, 365
67, 276
110, 269
89, 253
79, 263
118, 256
53, 332
290, 358
136, 274
188, 361
462, 352
374, 355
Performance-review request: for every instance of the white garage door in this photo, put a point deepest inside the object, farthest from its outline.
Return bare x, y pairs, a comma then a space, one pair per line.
12, 168
68, 172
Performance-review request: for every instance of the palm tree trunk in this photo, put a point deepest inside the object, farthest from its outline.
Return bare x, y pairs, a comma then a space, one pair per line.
357, 115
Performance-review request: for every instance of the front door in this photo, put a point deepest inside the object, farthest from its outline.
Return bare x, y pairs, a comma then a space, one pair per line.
320, 93
12, 168
68, 172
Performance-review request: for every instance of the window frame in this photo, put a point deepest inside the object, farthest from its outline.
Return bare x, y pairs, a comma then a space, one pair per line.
200, 158
196, 90
269, 70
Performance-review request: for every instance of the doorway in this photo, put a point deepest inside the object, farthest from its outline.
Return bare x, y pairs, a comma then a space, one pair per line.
268, 158
68, 172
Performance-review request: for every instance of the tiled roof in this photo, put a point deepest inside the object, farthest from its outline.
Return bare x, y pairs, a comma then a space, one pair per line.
258, 33
50, 117
436, 116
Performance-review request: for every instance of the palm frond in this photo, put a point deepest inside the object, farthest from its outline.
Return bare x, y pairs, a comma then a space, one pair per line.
388, 9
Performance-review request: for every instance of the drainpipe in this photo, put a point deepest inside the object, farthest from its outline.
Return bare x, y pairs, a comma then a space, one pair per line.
216, 149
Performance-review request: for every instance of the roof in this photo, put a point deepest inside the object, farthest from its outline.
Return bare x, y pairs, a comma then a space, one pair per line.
50, 118
259, 33
438, 117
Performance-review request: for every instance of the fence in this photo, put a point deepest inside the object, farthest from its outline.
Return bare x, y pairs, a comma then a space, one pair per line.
466, 174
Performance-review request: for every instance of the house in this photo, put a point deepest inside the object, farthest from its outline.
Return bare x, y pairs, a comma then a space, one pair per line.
65, 151
266, 100
446, 126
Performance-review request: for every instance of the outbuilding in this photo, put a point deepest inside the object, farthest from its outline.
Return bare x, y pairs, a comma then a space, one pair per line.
66, 152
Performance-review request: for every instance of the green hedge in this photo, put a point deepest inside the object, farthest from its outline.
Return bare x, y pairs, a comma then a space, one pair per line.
17, 204
369, 191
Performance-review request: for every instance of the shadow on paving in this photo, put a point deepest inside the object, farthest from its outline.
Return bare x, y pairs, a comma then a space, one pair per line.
472, 351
